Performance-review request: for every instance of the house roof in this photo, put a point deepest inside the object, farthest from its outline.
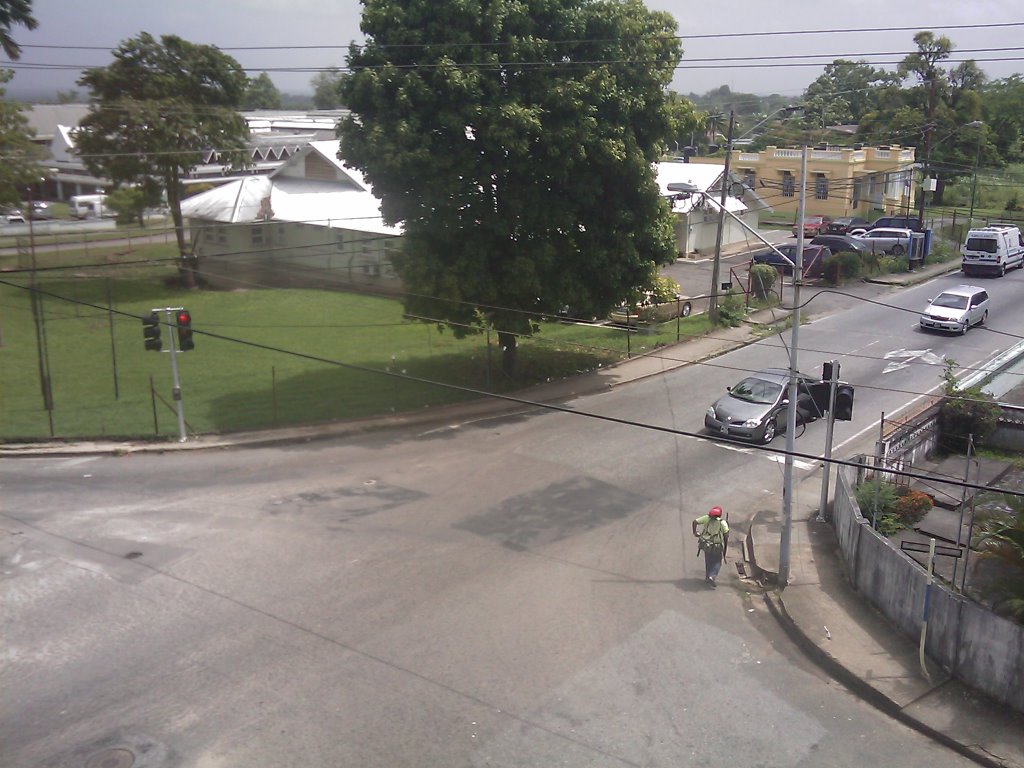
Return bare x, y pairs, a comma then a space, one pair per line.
704, 176
313, 186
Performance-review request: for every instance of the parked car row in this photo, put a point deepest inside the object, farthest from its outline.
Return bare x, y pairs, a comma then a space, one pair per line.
37, 211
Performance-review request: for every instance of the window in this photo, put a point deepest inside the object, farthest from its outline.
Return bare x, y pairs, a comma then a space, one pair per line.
821, 187
858, 191
256, 233
788, 184
749, 177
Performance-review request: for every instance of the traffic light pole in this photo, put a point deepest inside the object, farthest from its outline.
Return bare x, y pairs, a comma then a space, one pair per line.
176, 391
826, 467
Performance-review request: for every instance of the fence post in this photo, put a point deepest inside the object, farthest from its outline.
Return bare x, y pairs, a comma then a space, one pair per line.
273, 393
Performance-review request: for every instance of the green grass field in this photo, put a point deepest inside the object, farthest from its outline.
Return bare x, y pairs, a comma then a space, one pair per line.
332, 348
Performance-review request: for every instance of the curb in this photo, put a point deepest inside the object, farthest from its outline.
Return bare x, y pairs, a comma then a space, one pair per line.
834, 669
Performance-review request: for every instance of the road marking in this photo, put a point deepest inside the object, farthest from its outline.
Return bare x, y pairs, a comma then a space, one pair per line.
796, 462
776, 457
905, 357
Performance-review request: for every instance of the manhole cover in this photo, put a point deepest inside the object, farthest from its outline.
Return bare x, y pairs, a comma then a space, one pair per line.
111, 758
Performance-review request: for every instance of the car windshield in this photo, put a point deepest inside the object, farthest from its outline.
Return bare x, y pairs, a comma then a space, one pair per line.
951, 301
755, 390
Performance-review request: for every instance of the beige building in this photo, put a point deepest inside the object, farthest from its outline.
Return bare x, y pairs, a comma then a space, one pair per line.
841, 181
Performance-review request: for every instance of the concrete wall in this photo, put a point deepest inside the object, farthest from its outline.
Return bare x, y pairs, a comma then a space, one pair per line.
984, 650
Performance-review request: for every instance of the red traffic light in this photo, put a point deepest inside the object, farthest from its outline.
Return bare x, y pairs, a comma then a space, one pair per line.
185, 340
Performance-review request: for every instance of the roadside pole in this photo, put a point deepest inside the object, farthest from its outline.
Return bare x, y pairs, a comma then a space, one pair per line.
826, 467
787, 483
927, 606
717, 265
172, 328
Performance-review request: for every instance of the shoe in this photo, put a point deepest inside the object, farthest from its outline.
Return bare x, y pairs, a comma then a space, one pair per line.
711, 582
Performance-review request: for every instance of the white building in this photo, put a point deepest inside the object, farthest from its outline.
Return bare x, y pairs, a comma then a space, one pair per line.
311, 222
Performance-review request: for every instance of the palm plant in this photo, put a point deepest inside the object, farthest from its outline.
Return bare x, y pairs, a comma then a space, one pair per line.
1000, 537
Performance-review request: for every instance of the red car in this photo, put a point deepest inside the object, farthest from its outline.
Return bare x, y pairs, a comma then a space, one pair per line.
813, 225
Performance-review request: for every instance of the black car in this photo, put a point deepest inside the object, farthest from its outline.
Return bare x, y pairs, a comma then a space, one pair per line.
840, 243
814, 258
844, 224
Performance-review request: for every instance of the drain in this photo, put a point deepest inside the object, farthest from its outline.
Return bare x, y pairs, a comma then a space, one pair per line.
112, 758
133, 555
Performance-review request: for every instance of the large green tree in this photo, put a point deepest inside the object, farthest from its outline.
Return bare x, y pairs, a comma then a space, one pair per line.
21, 157
845, 91
14, 12
154, 112
261, 93
515, 141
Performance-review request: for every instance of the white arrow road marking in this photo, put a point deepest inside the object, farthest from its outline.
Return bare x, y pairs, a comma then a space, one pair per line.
796, 462
907, 356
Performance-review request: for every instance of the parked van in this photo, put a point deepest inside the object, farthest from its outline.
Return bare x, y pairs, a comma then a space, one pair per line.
993, 250
89, 206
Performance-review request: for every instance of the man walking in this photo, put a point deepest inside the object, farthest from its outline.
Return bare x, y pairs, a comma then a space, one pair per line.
713, 541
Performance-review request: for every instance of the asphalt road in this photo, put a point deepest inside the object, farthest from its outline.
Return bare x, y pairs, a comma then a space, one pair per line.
520, 591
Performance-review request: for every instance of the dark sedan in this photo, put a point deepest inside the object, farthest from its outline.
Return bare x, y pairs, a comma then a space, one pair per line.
814, 258
840, 243
844, 224
755, 408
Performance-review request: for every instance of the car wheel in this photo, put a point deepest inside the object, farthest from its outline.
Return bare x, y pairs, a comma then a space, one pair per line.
964, 326
769, 431
898, 250
984, 318
1002, 270
687, 309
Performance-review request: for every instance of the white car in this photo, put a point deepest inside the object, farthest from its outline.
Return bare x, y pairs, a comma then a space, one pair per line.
956, 309
887, 240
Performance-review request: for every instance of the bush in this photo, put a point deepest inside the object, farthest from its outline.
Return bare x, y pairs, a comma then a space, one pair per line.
731, 310
762, 280
665, 290
965, 413
871, 504
911, 506
850, 265
830, 270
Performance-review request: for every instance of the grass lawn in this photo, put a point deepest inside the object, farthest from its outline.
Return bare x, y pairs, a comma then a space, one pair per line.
101, 373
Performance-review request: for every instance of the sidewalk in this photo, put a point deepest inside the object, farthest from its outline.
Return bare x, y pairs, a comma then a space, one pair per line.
855, 645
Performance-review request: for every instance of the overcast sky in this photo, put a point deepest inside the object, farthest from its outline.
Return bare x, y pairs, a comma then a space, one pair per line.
712, 32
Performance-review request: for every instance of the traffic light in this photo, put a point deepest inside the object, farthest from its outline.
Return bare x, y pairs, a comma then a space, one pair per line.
151, 332
184, 320
820, 391
827, 370
844, 403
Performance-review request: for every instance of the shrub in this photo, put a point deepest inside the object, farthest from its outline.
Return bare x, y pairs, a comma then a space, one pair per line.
830, 270
965, 413
762, 280
850, 265
911, 507
665, 290
871, 503
731, 310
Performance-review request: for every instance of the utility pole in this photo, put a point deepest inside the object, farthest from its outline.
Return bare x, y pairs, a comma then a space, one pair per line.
716, 268
787, 481
928, 155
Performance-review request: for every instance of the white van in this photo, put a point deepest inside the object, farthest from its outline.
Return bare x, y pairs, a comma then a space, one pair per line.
89, 206
993, 250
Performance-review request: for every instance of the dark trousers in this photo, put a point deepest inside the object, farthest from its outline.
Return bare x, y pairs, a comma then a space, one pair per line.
712, 563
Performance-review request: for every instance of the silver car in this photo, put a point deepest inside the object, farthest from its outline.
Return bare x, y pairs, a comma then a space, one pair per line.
956, 309
887, 240
755, 408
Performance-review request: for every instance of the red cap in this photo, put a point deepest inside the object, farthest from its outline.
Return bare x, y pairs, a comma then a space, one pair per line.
715, 512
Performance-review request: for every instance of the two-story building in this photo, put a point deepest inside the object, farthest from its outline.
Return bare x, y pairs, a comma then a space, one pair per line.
841, 181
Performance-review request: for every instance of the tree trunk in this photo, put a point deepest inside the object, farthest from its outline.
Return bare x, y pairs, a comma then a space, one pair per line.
186, 263
508, 342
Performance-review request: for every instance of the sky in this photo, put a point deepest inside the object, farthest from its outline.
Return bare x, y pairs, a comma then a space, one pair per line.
314, 34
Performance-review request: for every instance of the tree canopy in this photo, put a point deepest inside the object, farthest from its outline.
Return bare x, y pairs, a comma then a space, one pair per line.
21, 156
14, 12
515, 142
326, 88
261, 93
154, 112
